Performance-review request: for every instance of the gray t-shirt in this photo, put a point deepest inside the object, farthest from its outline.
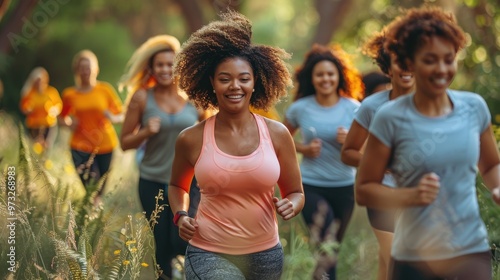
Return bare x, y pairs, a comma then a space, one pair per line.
156, 164
314, 120
448, 146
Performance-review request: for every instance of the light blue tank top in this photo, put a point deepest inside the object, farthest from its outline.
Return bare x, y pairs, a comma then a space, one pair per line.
448, 146
314, 120
156, 164
364, 117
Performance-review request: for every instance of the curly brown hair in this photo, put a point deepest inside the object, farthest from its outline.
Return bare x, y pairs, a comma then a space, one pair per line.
350, 83
219, 40
409, 33
374, 49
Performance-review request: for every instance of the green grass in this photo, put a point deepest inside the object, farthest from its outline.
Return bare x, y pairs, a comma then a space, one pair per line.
60, 234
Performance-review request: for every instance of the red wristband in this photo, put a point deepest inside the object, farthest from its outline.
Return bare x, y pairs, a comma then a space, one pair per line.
178, 215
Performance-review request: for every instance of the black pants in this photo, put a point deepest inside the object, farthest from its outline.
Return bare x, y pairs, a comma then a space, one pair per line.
324, 209
166, 234
91, 167
467, 267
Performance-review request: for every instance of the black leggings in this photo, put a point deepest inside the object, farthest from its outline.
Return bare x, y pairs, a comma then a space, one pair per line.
166, 234
324, 210
91, 167
467, 267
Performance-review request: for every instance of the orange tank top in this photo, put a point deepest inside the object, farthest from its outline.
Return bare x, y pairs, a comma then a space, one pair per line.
236, 214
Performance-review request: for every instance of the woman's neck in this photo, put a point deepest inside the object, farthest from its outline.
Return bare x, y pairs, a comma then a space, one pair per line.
327, 100
170, 90
397, 92
433, 106
234, 122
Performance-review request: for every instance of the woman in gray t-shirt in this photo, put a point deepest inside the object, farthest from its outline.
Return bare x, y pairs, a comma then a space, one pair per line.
157, 112
434, 141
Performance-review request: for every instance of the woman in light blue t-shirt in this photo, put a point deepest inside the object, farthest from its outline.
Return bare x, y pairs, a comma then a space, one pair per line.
382, 221
434, 141
323, 112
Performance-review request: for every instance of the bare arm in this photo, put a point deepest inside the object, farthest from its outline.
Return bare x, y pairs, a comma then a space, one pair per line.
371, 193
351, 150
489, 163
187, 150
289, 182
132, 135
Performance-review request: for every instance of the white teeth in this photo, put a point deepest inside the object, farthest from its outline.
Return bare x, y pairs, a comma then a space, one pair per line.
406, 77
441, 81
235, 96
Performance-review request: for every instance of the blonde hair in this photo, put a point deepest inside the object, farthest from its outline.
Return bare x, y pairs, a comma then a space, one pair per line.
94, 65
138, 73
36, 73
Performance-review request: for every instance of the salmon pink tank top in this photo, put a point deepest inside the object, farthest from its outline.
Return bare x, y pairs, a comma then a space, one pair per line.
236, 214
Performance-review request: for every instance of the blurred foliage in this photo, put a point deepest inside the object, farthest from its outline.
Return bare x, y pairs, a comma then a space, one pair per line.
113, 29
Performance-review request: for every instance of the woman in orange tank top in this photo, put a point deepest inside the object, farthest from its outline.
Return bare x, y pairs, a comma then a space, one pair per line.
237, 156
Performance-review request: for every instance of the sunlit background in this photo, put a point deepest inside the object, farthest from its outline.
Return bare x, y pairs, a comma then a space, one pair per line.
115, 238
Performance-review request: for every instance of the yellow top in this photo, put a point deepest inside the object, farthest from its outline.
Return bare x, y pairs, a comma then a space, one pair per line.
41, 109
271, 114
94, 132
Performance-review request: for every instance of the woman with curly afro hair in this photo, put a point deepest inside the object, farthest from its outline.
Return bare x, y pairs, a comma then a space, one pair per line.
433, 141
402, 81
327, 98
237, 156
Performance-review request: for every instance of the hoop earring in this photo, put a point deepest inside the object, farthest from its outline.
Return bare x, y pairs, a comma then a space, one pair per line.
253, 90
213, 90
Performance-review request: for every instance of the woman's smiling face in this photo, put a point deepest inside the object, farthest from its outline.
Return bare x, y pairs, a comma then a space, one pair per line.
233, 83
434, 66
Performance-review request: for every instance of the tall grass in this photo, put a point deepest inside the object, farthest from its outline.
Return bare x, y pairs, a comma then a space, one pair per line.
61, 234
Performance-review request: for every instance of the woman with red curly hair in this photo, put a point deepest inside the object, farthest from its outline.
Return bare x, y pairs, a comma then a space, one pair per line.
402, 82
433, 141
327, 98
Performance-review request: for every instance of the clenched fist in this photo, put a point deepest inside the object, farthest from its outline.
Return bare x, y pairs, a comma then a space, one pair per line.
427, 189
341, 134
154, 125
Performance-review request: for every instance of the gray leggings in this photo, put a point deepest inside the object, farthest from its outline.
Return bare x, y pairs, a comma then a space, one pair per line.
201, 264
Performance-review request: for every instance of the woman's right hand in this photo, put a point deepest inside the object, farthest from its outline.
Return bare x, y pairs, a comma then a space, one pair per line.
187, 227
154, 125
427, 189
313, 149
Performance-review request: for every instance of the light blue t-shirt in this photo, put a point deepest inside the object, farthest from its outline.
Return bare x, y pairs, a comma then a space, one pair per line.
448, 146
316, 121
158, 156
364, 117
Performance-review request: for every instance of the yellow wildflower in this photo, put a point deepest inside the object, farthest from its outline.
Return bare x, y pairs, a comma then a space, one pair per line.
38, 148
130, 242
49, 164
144, 264
497, 118
125, 262
68, 168
117, 252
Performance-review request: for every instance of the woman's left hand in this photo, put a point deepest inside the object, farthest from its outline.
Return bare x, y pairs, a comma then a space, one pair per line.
284, 207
